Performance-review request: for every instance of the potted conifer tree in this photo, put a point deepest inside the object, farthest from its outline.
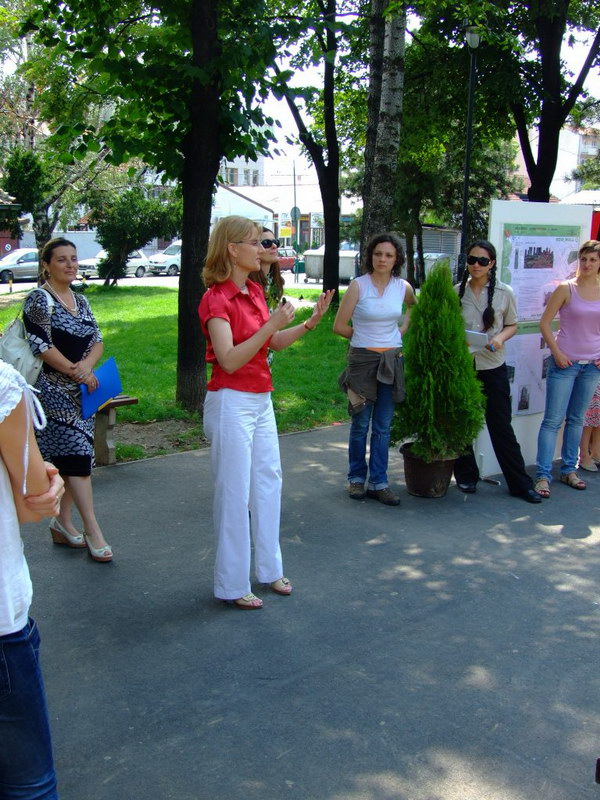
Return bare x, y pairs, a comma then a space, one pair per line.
443, 410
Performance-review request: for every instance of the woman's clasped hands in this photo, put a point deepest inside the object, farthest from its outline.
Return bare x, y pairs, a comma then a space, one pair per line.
82, 373
48, 503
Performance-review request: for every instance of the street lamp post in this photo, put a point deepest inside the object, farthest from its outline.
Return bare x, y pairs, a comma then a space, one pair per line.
472, 37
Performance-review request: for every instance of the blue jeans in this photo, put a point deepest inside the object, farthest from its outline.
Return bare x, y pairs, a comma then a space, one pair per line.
26, 765
379, 414
569, 392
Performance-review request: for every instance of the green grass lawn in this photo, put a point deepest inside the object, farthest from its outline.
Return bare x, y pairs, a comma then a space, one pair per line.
139, 325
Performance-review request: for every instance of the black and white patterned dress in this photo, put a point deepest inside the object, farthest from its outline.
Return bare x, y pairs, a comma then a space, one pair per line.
68, 439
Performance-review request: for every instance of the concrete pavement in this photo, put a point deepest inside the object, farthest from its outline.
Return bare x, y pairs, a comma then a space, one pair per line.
443, 650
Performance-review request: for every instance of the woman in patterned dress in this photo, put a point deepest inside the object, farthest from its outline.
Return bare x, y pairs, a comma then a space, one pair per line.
589, 446
67, 339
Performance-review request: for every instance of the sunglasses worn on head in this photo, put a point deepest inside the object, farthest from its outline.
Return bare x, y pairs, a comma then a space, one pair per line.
266, 243
483, 261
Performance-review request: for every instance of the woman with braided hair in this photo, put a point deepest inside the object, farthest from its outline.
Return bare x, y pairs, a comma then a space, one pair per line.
489, 306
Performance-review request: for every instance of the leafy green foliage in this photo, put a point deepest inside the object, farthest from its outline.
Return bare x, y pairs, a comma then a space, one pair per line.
311, 33
521, 67
177, 85
26, 178
127, 221
135, 63
589, 173
432, 143
443, 410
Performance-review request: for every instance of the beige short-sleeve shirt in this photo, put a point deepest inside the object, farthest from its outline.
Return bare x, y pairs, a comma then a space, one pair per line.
505, 313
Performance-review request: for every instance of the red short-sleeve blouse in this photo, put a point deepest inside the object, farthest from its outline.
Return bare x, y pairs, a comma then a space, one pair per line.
246, 313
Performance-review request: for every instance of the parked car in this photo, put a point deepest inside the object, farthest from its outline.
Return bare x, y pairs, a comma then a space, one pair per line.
21, 264
137, 264
169, 261
287, 257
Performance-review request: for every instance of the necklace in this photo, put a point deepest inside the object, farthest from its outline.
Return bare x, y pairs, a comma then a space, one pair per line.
55, 294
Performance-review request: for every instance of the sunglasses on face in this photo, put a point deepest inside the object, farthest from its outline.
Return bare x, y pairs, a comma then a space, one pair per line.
266, 243
483, 261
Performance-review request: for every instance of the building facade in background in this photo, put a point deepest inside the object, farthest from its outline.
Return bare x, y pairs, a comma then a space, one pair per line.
574, 147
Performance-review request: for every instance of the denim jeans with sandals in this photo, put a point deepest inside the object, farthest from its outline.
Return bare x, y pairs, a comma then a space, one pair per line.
569, 392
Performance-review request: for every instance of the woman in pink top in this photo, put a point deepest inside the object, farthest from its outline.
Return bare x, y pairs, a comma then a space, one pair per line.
574, 367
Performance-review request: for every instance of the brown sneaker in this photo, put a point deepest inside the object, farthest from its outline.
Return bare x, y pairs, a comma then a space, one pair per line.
357, 491
385, 496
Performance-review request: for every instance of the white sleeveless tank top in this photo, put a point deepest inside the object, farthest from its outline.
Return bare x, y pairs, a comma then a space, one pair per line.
376, 317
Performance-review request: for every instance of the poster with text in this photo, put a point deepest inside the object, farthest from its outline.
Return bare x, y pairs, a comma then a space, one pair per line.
535, 259
526, 361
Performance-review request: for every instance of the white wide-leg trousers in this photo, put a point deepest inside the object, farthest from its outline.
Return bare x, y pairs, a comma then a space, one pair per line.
247, 473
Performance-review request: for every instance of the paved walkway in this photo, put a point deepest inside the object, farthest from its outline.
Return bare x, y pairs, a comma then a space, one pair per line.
443, 650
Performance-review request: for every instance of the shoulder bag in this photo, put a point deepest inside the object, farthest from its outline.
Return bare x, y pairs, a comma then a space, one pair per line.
15, 348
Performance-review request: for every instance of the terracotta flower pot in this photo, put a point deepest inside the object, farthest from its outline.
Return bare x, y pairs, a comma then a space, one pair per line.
426, 478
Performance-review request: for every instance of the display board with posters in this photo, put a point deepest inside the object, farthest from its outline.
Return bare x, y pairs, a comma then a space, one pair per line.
537, 245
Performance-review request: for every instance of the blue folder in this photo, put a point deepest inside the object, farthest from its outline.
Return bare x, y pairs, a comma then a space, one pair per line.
110, 386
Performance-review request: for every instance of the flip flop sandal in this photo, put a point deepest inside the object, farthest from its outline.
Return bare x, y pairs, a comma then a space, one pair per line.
249, 602
282, 586
542, 487
573, 480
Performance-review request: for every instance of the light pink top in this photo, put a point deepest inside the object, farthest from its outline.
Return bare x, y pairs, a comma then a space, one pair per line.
579, 333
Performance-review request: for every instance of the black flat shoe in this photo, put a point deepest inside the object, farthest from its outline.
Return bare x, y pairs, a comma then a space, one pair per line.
529, 495
467, 488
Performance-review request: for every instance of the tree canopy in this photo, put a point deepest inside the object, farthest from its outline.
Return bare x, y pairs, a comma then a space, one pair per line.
176, 85
522, 64
127, 221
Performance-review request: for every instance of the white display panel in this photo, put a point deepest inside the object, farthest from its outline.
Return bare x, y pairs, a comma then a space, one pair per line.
537, 246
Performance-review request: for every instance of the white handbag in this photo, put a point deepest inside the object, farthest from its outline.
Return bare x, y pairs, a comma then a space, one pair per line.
15, 349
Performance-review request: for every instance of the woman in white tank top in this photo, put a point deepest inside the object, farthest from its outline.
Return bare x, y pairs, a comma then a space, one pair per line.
374, 379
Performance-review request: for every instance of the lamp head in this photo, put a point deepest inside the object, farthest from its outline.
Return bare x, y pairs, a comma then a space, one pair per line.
472, 36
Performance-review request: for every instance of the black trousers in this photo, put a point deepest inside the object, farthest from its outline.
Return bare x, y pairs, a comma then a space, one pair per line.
498, 415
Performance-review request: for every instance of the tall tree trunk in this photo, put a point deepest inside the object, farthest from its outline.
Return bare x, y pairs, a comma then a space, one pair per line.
378, 194
421, 254
329, 176
327, 171
201, 164
43, 225
410, 256
554, 110
28, 133
376, 44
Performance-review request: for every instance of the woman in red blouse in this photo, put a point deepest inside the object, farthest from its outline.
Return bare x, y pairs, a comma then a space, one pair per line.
238, 413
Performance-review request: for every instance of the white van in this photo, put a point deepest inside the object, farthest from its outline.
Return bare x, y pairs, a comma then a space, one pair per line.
169, 261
